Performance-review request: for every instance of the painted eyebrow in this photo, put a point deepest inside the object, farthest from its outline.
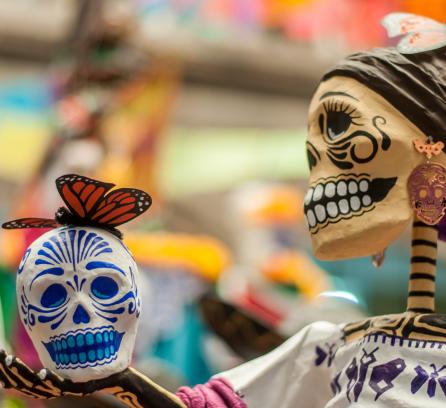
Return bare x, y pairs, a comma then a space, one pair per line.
327, 94
50, 271
106, 265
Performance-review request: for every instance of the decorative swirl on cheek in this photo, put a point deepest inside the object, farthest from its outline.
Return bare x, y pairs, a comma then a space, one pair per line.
31, 319
44, 315
131, 308
373, 142
339, 150
23, 261
386, 142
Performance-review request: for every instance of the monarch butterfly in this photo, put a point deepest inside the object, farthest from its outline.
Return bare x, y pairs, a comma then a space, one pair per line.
90, 202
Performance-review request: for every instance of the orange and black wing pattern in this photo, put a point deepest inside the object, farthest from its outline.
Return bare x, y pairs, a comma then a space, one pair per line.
82, 195
91, 200
30, 223
120, 206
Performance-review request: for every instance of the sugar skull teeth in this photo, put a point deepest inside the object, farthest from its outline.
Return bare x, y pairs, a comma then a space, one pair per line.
331, 200
84, 348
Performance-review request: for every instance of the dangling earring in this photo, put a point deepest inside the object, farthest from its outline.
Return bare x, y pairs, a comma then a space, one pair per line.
378, 258
427, 184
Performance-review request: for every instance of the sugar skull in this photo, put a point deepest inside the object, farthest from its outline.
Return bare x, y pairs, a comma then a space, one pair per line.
363, 120
77, 291
427, 186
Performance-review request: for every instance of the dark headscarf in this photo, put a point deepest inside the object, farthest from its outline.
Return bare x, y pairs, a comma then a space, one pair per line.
414, 84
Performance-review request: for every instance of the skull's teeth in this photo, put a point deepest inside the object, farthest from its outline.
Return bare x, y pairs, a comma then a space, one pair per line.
333, 199
84, 348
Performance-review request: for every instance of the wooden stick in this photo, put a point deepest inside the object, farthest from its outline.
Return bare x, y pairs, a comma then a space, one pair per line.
136, 390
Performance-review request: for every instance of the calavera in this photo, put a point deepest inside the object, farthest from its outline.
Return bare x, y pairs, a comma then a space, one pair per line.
77, 291
360, 154
427, 187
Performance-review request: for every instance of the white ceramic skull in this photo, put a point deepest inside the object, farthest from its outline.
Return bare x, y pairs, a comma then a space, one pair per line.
77, 291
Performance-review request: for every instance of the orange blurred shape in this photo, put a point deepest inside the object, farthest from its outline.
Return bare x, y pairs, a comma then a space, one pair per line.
202, 255
277, 10
297, 269
14, 244
435, 9
282, 205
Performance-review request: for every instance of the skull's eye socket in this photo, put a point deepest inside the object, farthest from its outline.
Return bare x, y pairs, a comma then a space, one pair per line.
422, 193
339, 118
438, 193
54, 296
337, 124
104, 287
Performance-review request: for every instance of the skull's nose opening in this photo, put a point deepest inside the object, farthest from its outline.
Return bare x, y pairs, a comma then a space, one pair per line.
81, 315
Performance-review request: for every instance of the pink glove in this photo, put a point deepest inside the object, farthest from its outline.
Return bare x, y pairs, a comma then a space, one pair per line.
217, 393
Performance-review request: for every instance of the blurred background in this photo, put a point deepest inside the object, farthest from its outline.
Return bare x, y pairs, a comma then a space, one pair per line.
201, 103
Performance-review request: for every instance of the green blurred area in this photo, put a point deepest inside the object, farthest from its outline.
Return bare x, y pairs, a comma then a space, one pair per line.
8, 299
195, 160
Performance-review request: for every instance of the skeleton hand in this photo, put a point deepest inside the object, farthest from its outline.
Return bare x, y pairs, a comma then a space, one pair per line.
14, 374
130, 387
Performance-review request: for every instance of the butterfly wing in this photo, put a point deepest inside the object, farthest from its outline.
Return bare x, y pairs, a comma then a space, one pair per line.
121, 205
422, 41
403, 23
30, 223
82, 195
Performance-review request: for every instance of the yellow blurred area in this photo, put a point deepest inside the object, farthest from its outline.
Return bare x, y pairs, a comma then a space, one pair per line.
201, 255
134, 127
22, 145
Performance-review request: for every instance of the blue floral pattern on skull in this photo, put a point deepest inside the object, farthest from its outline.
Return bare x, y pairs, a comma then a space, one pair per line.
78, 294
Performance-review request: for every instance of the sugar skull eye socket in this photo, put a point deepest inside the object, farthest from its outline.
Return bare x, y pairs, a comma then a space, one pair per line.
438, 192
422, 193
54, 296
339, 117
104, 287
337, 124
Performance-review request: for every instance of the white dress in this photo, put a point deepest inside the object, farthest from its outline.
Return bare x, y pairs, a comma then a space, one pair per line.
316, 369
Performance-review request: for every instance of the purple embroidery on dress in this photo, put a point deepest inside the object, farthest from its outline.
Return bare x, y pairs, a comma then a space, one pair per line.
335, 386
321, 354
366, 360
422, 376
383, 375
380, 379
352, 374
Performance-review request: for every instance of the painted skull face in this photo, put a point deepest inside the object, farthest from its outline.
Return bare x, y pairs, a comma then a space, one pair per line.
427, 187
77, 291
360, 154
